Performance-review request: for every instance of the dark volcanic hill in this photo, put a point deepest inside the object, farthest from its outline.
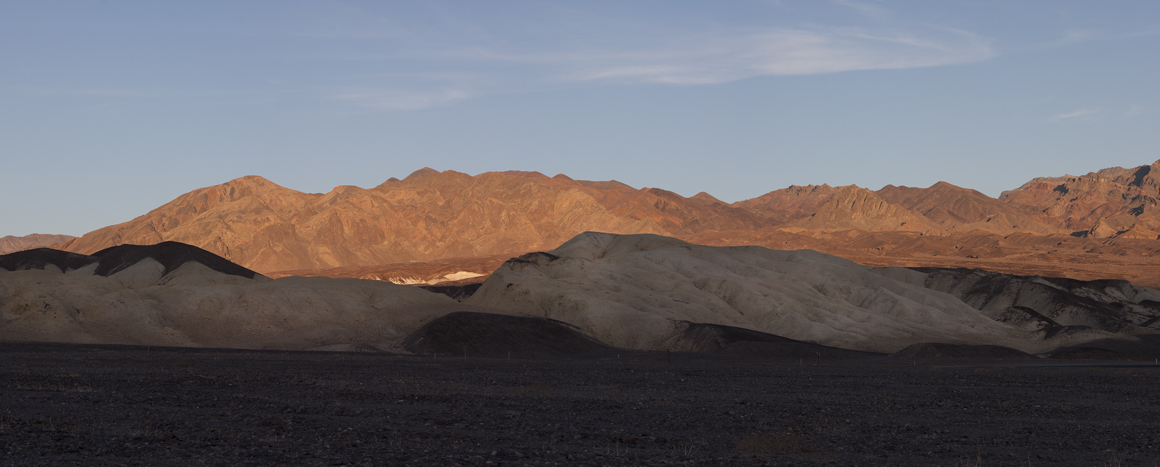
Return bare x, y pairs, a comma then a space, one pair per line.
171, 255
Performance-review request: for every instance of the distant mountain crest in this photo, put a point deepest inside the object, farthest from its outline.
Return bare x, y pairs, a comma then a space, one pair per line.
9, 244
1106, 203
431, 215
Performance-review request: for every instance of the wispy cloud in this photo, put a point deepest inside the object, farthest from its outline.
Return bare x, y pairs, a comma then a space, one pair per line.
784, 52
587, 48
1081, 115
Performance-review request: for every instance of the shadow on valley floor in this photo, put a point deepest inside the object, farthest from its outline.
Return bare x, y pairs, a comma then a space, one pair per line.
120, 405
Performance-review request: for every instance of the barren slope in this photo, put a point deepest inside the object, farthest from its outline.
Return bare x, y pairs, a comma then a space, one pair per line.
1102, 225
9, 244
643, 291
1106, 203
177, 295
959, 209
429, 215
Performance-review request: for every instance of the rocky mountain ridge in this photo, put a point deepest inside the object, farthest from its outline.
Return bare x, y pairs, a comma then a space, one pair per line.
432, 216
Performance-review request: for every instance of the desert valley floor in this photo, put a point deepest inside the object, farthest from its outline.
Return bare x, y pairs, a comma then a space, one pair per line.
121, 405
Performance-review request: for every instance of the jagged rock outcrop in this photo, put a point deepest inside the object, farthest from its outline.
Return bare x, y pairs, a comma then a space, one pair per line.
1051, 305
1101, 204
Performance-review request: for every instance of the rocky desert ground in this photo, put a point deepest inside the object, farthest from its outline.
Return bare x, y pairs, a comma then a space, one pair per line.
121, 405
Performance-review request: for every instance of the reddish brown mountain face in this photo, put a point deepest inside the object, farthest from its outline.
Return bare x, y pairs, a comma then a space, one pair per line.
11, 244
1108, 203
959, 209
427, 216
432, 216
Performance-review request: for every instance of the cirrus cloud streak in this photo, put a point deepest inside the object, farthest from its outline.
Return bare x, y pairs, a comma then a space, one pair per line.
785, 52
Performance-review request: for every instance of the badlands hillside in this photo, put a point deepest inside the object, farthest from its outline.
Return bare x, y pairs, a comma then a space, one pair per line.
647, 292
1096, 226
595, 292
172, 294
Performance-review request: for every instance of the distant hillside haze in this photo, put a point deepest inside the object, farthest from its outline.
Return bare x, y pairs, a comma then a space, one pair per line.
10, 244
432, 215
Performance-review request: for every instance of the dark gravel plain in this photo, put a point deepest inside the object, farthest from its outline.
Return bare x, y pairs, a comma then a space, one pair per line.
110, 405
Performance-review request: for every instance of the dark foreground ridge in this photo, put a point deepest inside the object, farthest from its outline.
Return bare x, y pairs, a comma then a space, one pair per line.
458, 292
38, 258
171, 255
937, 350
730, 340
1142, 348
498, 336
107, 405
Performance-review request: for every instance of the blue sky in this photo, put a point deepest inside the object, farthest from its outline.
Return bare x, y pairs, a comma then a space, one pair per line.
111, 108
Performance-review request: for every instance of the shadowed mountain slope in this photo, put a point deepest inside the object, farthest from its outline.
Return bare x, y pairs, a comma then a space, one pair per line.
936, 350
492, 335
169, 255
1052, 305
41, 258
716, 338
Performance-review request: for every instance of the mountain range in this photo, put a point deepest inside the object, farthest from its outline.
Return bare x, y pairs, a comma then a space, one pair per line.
1101, 225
